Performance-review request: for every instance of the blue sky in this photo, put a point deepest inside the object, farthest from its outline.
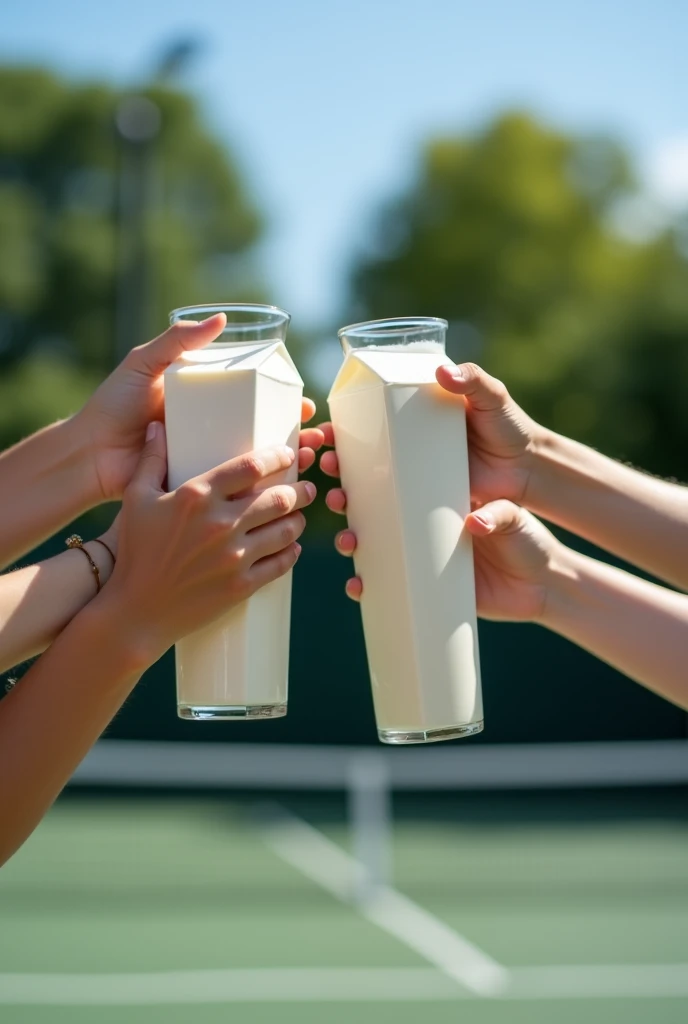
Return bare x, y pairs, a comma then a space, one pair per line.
326, 102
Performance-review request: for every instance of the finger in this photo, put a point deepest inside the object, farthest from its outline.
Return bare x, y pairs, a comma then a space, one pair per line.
273, 537
311, 437
306, 459
328, 431
495, 517
485, 393
275, 502
155, 356
336, 500
245, 472
345, 543
271, 568
307, 409
354, 588
329, 463
152, 465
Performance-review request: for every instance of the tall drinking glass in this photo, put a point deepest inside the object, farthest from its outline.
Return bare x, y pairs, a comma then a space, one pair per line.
401, 444
238, 394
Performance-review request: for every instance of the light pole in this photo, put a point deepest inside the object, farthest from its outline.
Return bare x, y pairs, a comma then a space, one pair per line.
138, 121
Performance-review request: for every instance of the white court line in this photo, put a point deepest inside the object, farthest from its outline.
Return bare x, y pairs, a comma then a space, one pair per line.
596, 981
337, 985
246, 985
325, 863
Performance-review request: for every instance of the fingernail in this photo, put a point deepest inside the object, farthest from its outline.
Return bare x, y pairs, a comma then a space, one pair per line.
457, 372
298, 547
485, 518
311, 490
289, 452
151, 431
344, 549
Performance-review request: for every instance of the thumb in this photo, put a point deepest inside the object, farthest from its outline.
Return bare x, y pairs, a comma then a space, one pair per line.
495, 517
152, 467
485, 393
155, 356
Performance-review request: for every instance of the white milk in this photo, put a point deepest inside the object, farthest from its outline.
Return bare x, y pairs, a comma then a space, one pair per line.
401, 444
222, 401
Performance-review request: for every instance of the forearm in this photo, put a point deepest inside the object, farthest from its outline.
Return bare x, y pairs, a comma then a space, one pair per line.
632, 515
46, 481
37, 602
638, 627
49, 721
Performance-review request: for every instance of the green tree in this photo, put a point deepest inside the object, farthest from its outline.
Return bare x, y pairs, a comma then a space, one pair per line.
60, 164
510, 234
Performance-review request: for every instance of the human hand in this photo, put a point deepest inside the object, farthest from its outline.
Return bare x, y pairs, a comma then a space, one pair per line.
501, 438
187, 556
514, 555
116, 416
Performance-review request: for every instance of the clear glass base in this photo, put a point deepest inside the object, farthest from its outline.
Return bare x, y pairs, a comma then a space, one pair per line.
451, 732
231, 712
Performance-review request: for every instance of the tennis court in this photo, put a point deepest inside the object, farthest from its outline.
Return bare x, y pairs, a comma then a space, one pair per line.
534, 906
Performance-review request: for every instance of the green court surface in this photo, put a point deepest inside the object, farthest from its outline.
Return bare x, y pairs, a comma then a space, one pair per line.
504, 909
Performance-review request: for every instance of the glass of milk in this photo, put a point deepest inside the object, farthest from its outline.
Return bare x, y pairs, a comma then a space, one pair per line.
401, 444
238, 394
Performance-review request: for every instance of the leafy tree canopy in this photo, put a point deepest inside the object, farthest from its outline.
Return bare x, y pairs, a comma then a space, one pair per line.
60, 185
512, 235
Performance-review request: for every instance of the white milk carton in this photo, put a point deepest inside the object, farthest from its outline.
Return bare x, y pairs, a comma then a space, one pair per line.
401, 444
221, 401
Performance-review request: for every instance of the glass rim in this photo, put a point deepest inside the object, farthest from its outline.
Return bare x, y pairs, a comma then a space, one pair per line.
271, 314
396, 325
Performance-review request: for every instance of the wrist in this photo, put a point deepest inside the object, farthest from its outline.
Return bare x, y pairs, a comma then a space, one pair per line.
137, 646
103, 560
562, 588
79, 453
541, 458
110, 537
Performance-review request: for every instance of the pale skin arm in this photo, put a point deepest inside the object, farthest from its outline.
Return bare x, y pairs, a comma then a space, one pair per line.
69, 467
74, 465
62, 471
46, 483
637, 517
38, 601
55, 713
638, 627
183, 559
524, 574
